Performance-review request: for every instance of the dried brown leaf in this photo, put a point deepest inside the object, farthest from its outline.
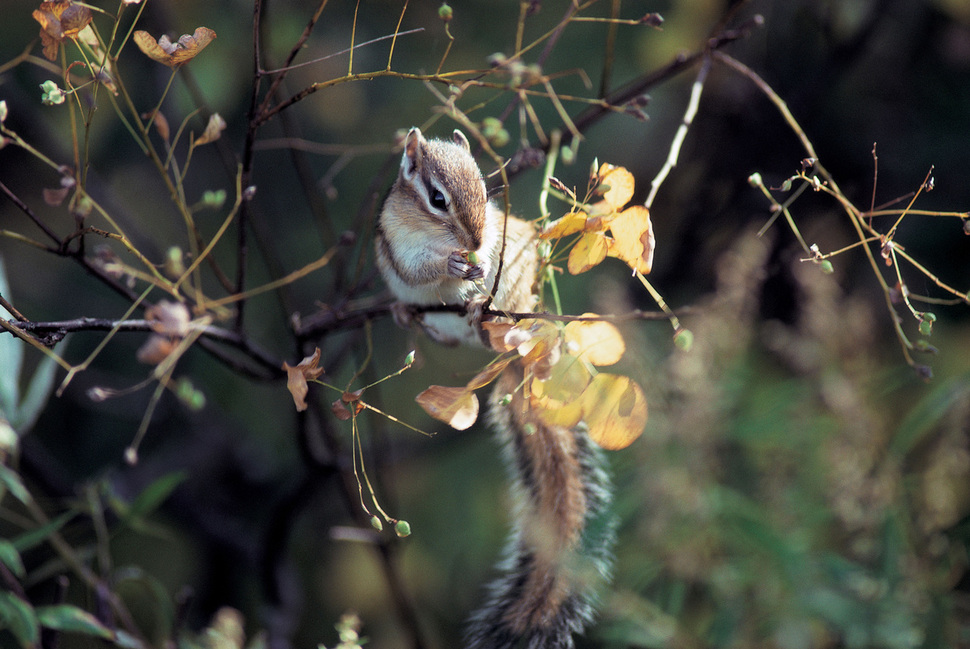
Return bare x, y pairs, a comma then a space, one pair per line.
169, 318
59, 20
297, 377
155, 349
55, 197
213, 130
174, 54
457, 407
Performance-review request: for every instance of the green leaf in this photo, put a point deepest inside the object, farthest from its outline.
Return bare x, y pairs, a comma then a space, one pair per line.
155, 494
10, 480
35, 537
927, 414
18, 617
65, 617
125, 640
11, 558
134, 579
11, 358
38, 392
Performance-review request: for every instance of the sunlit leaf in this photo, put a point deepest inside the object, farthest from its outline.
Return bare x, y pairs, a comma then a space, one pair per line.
557, 400
615, 409
589, 251
296, 378
174, 54
620, 183
569, 224
594, 341
633, 239
457, 407
541, 340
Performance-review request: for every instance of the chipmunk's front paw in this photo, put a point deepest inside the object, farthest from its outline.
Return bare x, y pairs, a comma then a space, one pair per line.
402, 314
461, 267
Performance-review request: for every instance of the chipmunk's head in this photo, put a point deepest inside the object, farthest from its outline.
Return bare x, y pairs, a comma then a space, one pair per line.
446, 184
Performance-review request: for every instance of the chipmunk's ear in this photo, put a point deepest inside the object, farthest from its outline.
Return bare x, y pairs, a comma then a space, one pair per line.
461, 140
413, 148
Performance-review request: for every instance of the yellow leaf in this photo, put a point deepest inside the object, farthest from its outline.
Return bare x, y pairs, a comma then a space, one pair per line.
539, 341
615, 409
594, 341
174, 54
588, 252
620, 183
633, 239
557, 400
569, 224
457, 407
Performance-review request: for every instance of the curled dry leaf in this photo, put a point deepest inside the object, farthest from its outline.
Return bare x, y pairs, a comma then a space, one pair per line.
594, 341
342, 412
213, 130
615, 410
170, 322
297, 377
160, 123
174, 54
59, 20
55, 197
457, 407
169, 318
155, 349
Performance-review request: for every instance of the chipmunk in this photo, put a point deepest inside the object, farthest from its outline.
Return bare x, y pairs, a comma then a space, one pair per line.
439, 241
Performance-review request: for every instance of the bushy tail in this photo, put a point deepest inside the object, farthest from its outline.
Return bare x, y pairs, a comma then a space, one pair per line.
561, 543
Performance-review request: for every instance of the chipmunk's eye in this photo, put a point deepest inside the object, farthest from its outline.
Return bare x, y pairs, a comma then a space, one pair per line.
438, 200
